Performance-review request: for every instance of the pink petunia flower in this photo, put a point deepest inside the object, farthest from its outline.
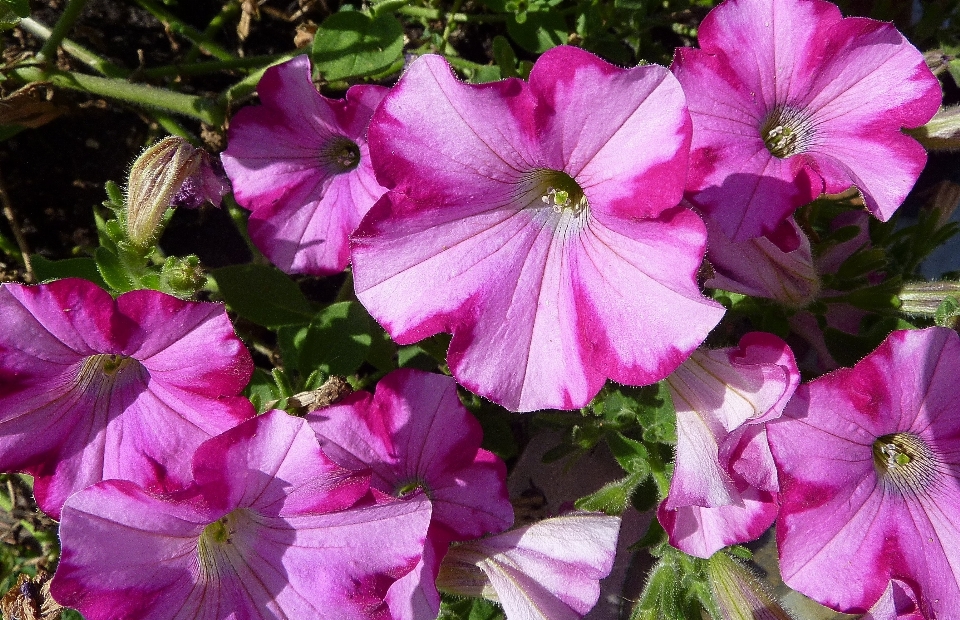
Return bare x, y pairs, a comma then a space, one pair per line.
724, 484
541, 229
300, 163
549, 570
789, 99
415, 433
869, 466
92, 388
272, 529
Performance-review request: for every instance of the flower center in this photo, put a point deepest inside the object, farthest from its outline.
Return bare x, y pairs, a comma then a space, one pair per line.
786, 132
102, 366
340, 155
215, 540
555, 189
904, 460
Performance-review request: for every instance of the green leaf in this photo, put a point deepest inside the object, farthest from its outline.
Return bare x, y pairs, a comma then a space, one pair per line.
383, 352
612, 498
652, 407
947, 312
338, 340
262, 294
352, 44
539, 32
20, 8
290, 341
113, 271
469, 609
261, 390
504, 57
85, 268
630, 453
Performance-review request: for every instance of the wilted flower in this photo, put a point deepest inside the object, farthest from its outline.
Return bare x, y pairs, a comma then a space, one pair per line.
724, 485
415, 434
869, 477
271, 529
542, 230
93, 388
788, 100
549, 570
300, 163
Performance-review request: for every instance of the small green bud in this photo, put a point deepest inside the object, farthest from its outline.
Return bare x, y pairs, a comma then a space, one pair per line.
738, 593
155, 178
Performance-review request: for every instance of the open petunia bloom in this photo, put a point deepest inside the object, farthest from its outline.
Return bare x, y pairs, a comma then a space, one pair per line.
869, 466
789, 99
272, 529
724, 485
300, 163
542, 231
549, 570
93, 389
414, 433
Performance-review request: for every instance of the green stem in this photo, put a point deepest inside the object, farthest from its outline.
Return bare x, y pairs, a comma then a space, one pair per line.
434, 14
70, 14
185, 30
187, 105
249, 84
215, 25
239, 217
104, 67
448, 28
201, 68
79, 52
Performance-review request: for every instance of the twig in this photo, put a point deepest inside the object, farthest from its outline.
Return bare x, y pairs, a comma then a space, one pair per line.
17, 233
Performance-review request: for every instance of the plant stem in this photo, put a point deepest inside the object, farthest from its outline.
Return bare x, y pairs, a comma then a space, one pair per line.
217, 23
17, 233
248, 84
98, 64
448, 28
70, 14
425, 13
189, 32
187, 105
212, 66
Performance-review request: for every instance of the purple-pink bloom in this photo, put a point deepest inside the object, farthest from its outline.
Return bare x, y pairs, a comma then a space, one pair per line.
789, 99
415, 433
724, 485
301, 164
92, 388
549, 570
543, 230
272, 529
869, 466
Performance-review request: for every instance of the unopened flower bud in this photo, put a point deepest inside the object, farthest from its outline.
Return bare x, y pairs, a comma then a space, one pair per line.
172, 172
942, 133
738, 593
937, 300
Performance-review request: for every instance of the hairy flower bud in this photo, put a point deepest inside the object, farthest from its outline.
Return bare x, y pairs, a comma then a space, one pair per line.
936, 300
171, 172
738, 593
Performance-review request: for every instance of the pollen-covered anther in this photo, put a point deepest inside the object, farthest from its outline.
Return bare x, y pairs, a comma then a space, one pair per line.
905, 461
552, 188
787, 132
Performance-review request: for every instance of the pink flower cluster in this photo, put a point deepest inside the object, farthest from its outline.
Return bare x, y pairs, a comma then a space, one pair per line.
555, 227
176, 501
